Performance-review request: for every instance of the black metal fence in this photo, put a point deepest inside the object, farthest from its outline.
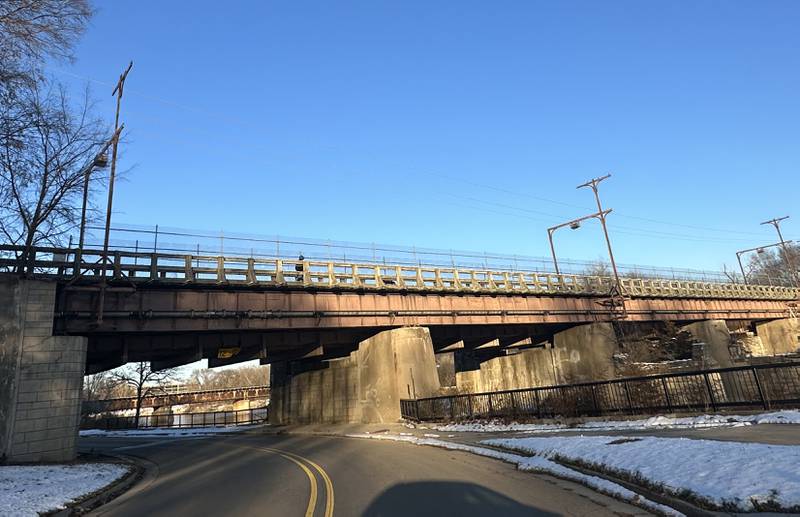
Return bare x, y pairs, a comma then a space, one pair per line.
207, 419
762, 386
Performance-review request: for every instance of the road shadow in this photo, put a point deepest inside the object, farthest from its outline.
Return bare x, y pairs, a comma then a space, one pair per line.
443, 498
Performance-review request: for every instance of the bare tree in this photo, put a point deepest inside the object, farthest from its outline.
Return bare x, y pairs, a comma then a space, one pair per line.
46, 142
33, 30
770, 267
208, 379
598, 268
46, 147
143, 380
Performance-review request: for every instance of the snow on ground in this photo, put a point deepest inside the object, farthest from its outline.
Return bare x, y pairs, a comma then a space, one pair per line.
171, 432
28, 490
656, 422
535, 464
726, 474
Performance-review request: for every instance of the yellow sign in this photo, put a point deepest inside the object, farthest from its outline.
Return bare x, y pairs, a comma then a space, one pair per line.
227, 353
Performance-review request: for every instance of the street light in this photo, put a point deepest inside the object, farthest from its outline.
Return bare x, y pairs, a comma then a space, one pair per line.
100, 161
576, 223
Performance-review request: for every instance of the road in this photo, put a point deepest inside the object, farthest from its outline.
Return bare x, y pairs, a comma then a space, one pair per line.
314, 476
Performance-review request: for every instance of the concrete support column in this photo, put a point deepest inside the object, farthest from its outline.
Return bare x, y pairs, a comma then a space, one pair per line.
780, 336
717, 338
365, 387
585, 353
41, 376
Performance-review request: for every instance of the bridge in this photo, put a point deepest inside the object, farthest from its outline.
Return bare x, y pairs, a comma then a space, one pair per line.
327, 326
160, 400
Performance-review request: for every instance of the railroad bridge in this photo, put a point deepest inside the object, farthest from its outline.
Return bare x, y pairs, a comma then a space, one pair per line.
160, 400
346, 340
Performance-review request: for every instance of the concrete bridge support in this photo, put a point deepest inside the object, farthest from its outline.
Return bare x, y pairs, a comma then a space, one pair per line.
780, 336
717, 338
365, 387
580, 354
40, 376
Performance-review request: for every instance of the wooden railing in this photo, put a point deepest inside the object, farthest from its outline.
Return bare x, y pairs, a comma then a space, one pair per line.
88, 265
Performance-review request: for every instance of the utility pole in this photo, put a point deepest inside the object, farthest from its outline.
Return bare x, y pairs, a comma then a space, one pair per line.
776, 222
602, 216
616, 297
118, 92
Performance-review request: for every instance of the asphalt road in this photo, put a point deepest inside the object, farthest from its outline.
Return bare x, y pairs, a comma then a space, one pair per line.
296, 475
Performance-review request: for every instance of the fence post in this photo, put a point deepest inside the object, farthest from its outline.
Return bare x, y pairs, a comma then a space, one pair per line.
538, 404
513, 404
491, 409
764, 401
469, 403
453, 409
666, 394
594, 400
710, 392
628, 396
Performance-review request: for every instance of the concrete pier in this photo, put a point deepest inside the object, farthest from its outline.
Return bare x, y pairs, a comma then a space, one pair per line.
40, 376
365, 387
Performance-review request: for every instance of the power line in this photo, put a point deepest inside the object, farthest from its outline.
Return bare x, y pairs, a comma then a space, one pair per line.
552, 201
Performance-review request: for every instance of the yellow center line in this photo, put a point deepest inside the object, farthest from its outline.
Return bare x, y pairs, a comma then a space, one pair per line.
312, 500
329, 500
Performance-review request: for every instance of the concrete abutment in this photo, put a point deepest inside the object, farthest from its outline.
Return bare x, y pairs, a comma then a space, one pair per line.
41, 376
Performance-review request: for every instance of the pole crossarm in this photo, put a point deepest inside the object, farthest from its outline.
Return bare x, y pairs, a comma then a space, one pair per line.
596, 215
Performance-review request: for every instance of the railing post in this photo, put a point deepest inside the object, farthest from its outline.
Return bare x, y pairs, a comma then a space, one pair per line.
251, 271
710, 392
117, 266
153, 266
666, 394
188, 271
628, 396
513, 404
220, 270
761, 394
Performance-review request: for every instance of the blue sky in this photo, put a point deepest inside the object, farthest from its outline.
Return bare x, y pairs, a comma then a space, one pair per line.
460, 125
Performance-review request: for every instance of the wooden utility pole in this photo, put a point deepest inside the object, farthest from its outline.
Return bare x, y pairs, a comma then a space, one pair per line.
104, 259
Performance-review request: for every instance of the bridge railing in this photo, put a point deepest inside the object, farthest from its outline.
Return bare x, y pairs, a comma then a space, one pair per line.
137, 267
763, 386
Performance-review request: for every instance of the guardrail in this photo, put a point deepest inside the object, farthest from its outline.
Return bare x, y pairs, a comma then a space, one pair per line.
762, 386
173, 397
206, 419
89, 264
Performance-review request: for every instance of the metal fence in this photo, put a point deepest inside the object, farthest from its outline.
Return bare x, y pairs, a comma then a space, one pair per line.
762, 386
206, 419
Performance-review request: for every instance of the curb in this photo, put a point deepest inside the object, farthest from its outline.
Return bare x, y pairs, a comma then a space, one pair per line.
106, 494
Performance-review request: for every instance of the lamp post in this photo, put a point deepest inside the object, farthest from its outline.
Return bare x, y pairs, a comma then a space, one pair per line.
576, 223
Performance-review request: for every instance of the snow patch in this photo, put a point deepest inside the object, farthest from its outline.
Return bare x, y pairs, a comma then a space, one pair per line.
744, 476
30, 490
536, 464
